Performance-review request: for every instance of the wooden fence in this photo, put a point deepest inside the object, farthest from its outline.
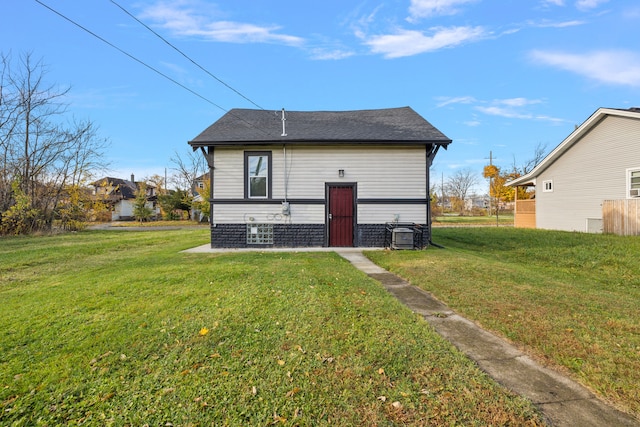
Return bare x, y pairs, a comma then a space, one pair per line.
621, 217
525, 214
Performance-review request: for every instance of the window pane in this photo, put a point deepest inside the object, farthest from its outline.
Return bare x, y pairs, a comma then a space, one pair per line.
635, 179
257, 166
257, 187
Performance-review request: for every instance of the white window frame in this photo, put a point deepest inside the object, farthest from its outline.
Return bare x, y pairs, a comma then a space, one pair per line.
547, 186
632, 185
266, 174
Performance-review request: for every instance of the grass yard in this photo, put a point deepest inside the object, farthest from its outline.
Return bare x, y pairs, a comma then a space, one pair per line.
159, 223
452, 220
570, 299
120, 328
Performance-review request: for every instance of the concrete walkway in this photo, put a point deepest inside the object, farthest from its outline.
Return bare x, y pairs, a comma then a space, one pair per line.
562, 401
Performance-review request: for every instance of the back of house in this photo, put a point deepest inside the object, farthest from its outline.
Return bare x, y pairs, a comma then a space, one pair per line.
320, 178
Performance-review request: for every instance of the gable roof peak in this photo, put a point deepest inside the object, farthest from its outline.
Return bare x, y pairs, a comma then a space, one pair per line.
572, 139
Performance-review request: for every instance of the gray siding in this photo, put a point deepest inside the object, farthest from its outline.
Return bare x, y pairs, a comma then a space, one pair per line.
594, 169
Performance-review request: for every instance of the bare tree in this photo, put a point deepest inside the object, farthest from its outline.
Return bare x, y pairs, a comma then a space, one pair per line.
39, 149
539, 153
459, 184
188, 167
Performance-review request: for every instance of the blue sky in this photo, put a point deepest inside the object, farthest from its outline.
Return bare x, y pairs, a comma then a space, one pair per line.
498, 76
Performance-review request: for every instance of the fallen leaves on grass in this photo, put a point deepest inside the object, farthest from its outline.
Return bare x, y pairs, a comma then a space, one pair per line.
293, 391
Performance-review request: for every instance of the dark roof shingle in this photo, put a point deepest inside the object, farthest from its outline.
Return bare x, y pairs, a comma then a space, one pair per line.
390, 125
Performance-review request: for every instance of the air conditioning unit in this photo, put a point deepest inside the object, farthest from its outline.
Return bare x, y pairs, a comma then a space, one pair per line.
634, 192
402, 238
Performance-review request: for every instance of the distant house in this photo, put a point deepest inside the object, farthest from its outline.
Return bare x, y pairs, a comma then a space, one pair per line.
318, 178
475, 202
197, 187
120, 195
596, 167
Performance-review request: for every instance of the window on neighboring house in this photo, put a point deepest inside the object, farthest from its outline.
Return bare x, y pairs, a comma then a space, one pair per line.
257, 166
200, 185
633, 182
547, 186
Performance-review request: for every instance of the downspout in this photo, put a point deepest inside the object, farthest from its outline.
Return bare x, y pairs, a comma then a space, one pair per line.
286, 175
431, 154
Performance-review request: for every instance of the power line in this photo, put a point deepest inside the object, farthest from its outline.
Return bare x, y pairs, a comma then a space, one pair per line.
185, 55
130, 56
149, 66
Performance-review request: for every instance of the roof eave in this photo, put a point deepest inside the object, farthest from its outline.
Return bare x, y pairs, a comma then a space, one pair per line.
197, 144
568, 142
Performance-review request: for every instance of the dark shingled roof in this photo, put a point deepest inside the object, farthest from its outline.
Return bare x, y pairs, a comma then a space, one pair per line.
384, 126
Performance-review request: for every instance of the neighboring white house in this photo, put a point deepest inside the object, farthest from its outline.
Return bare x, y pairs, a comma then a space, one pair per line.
120, 195
599, 161
325, 178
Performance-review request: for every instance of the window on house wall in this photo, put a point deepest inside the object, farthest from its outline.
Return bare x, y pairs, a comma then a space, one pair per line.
257, 166
633, 183
547, 186
260, 234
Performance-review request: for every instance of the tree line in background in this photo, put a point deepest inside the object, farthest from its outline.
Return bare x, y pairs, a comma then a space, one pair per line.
48, 161
454, 194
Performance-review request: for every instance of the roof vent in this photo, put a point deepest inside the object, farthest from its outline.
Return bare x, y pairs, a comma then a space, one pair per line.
284, 119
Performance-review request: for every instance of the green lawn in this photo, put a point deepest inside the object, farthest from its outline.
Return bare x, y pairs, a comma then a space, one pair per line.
571, 299
120, 328
503, 219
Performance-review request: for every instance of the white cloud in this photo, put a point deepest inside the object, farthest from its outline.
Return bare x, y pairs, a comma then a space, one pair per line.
183, 18
561, 24
444, 100
510, 113
426, 8
515, 108
553, 3
612, 67
583, 5
517, 102
589, 4
408, 42
330, 54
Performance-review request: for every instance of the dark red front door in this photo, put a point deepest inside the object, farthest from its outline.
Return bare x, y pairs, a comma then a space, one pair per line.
340, 216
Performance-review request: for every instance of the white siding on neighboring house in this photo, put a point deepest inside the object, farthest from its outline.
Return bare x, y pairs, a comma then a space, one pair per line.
122, 209
591, 171
391, 172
